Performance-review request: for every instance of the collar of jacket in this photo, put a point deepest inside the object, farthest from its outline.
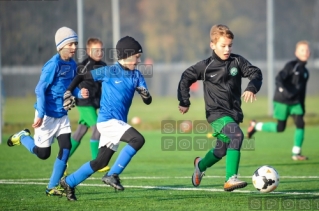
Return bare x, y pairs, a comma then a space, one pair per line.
301, 62
214, 56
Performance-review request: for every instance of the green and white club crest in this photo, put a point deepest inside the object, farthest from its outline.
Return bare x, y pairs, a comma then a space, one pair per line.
233, 71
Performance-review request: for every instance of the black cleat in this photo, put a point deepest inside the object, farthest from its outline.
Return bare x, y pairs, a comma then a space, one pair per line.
70, 192
114, 181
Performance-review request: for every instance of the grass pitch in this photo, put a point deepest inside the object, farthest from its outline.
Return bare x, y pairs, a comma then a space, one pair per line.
159, 178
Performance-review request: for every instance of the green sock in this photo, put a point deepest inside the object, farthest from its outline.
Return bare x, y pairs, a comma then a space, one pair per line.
94, 144
232, 162
75, 145
298, 139
269, 127
209, 160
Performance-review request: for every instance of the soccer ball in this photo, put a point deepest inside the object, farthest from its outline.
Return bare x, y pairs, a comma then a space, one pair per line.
136, 120
265, 179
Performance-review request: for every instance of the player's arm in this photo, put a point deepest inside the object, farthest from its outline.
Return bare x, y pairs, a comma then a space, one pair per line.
69, 99
143, 91
96, 74
281, 80
254, 74
189, 76
46, 79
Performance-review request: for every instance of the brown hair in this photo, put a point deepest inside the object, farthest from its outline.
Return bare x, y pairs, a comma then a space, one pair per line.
302, 42
218, 31
93, 40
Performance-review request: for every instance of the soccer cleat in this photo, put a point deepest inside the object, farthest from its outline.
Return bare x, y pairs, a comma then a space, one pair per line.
15, 139
67, 190
197, 175
299, 157
56, 191
114, 181
234, 183
105, 169
251, 129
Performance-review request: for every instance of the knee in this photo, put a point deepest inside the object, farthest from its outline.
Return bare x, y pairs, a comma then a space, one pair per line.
137, 142
236, 139
42, 153
281, 126
98, 163
95, 133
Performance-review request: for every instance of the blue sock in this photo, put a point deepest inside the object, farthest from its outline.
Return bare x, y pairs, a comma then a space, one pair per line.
122, 160
28, 142
84, 172
58, 169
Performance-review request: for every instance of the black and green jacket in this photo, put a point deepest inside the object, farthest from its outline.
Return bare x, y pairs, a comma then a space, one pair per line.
291, 83
222, 81
94, 87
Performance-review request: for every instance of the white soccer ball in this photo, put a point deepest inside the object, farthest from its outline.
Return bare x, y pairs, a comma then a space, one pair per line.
265, 179
136, 120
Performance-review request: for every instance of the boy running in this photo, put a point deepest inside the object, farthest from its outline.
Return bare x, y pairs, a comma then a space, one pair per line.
221, 75
51, 120
289, 100
119, 83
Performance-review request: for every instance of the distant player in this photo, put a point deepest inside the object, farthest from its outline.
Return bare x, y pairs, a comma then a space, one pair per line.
289, 99
88, 107
221, 75
119, 83
51, 120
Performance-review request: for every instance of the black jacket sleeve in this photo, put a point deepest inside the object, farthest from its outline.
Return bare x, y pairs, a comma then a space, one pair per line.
253, 73
189, 76
78, 79
281, 80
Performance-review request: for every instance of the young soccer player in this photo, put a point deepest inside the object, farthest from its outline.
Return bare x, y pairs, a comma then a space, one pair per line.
289, 99
88, 107
51, 120
119, 83
221, 75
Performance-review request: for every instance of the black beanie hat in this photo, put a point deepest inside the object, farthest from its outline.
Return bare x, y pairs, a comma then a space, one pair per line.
127, 46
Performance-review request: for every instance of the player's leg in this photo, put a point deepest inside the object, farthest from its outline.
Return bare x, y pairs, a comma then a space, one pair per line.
84, 115
201, 164
77, 136
298, 138
85, 171
95, 147
23, 137
281, 113
298, 115
215, 154
235, 135
135, 142
61, 129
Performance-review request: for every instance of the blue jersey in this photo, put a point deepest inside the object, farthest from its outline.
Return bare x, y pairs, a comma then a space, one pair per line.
55, 78
118, 87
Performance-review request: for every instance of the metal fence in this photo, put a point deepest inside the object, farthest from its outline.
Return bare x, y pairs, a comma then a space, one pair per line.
162, 79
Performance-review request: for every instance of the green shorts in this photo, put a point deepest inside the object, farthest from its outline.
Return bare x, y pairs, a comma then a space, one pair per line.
218, 125
88, 115
282, 111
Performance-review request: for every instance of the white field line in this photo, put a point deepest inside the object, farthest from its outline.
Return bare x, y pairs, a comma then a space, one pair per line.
165, 188
159, 178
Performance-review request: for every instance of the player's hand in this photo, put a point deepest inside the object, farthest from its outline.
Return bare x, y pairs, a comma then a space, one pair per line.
248, 96
68, 100
85, 93
37, 122
182, 109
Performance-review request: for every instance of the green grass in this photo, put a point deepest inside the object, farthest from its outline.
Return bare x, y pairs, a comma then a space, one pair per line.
158, 179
